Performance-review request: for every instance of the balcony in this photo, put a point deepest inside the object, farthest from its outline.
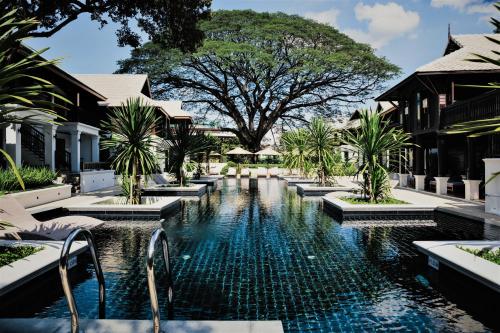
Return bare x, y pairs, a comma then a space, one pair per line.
485, 106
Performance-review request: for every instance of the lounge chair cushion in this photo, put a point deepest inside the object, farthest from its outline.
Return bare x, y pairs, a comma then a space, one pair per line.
24, 224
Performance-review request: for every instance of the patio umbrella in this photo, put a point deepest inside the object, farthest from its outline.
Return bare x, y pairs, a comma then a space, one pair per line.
268, 152
238, 151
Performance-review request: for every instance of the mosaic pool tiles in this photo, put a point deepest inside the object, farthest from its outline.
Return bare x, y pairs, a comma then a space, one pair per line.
246, 253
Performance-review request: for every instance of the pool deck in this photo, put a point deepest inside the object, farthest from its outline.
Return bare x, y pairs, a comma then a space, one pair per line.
473, 210
24, 270
43, 325
447, 253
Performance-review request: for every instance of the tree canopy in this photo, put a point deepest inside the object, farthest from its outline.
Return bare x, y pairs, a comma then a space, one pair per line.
256, 68
170, 22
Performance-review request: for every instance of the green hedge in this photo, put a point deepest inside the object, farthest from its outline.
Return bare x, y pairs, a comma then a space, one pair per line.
32, 178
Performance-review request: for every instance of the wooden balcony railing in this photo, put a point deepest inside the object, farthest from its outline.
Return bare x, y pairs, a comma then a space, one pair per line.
485, 106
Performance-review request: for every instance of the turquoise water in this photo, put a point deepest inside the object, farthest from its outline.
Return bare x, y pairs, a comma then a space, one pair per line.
262, 252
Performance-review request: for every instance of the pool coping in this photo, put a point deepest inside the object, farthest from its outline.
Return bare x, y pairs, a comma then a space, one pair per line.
164, 205
447, 253
344, 210
55, 325
294, 181
26, 269
305, 189
193, 190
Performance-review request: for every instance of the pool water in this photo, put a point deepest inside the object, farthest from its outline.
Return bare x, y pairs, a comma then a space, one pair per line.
261, 252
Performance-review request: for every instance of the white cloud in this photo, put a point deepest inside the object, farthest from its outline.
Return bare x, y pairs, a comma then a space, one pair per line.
385, 23
328, 16
466, 6
458, 4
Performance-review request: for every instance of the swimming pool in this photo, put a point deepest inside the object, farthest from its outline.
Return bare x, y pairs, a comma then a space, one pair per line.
262, 252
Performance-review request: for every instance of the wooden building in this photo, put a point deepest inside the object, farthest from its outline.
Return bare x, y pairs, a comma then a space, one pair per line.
439, 96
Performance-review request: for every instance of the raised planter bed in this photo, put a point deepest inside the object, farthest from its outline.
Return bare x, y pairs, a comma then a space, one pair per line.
20, 272
314, 190
115, 207
191, 190
292, 181
32, 198
342, 210
447, 253
210, 181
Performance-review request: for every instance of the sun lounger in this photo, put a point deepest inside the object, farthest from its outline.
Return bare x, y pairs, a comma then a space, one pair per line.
261, 172
231, 172
25, 226
245, 172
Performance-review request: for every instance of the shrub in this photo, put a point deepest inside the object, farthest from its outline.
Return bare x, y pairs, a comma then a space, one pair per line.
33, 178
226, 167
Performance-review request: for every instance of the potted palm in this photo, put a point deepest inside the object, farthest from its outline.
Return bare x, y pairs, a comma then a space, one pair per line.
372, 140
132, 142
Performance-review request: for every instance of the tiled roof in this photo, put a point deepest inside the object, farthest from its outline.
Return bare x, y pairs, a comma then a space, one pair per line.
457, 60
117, 88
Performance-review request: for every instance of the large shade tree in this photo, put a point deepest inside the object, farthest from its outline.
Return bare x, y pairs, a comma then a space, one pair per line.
256, 68
170, 21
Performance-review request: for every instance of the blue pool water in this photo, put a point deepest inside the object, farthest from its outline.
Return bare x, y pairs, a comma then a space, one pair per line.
265, 253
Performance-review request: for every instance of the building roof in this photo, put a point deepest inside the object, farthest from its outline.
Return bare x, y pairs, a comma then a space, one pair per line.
461, 49
119, 87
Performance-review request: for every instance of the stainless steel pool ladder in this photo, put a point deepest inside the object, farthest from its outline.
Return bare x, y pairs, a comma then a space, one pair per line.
63, 271
158, 234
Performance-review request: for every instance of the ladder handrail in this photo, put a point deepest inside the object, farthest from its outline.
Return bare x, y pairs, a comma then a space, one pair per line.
63, 271
158, 234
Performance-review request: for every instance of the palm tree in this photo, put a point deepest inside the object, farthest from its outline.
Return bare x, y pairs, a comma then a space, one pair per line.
132, 142
20, 89
183, 141
372, 140
295, 147
321, 144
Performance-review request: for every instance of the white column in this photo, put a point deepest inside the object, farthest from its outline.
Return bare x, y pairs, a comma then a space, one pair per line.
49, 132
442, 185
403, 179
492, 187
419, 182
13, 143
75, 150
95, 148
472, 189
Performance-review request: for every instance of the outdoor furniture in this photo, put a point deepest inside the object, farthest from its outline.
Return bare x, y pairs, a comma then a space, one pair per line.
25, 226
245, 172
231, 172
261, 172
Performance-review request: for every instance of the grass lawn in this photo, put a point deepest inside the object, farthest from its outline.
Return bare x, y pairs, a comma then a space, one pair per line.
10, 254
490, 255
361, 201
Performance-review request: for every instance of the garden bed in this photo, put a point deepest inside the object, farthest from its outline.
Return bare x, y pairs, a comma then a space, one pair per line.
362, 201
9, 254
316, 190
345, 210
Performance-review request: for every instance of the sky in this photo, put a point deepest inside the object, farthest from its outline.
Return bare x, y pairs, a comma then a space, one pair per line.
409, 33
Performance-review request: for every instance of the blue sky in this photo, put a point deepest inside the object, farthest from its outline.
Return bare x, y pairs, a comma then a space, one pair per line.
408, 32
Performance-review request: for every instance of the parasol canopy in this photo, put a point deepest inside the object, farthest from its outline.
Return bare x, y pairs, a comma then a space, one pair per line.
238, 151
268, 152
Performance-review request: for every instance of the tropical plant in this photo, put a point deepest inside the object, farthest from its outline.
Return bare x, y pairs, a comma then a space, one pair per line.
321, 143
20, 88
33, 177
255, 69
132, 142
184, 141
172, 20
372, 140
295, 149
